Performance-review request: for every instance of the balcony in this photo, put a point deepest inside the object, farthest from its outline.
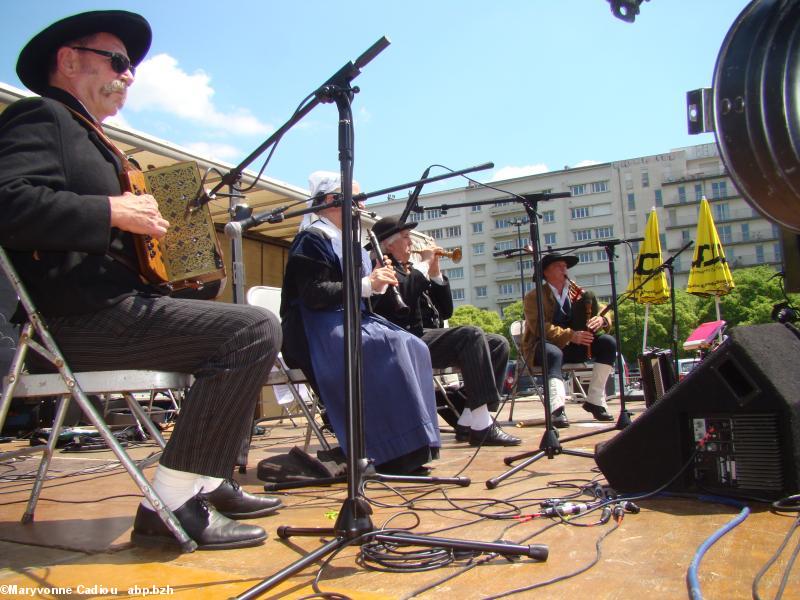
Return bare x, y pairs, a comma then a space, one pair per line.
694, 177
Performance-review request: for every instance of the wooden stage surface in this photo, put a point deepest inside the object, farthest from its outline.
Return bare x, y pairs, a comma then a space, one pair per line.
80, 536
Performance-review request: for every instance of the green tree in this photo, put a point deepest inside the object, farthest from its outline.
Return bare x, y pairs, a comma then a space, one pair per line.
751, 301
487, 320
659, 324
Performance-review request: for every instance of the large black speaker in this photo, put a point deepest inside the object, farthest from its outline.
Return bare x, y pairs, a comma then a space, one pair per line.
734, 420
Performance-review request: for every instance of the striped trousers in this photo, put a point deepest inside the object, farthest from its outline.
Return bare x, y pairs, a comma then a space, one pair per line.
229, 348
481, 358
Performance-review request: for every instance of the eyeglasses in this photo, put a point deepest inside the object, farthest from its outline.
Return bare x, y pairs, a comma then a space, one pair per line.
119, 62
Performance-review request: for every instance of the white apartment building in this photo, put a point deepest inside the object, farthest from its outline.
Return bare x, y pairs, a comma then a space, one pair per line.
608, 202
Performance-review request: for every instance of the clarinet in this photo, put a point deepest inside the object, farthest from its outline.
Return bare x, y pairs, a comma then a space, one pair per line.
400, 307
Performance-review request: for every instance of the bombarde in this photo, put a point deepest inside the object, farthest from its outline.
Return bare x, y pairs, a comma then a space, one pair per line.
454, 254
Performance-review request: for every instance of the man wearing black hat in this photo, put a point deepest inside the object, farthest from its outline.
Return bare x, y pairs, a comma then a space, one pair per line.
572, 326
68, 227
481, 357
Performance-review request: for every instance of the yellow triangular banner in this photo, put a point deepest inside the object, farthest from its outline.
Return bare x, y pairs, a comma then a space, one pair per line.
710, 274
656, 289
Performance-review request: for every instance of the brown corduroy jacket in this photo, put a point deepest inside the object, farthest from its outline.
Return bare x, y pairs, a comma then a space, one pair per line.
560, 336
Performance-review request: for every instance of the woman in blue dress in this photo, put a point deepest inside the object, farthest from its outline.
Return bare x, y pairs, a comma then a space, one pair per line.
400, 420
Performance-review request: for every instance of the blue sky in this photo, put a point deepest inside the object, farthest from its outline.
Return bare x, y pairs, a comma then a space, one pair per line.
531, 85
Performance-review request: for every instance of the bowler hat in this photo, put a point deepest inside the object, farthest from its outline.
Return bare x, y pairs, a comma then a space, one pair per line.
388, 226
33, 64
549, 259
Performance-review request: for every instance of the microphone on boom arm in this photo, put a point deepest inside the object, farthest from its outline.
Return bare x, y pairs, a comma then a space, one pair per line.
412, 198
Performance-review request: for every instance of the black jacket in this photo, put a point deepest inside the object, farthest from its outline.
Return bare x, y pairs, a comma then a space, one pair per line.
430, 303
55, 180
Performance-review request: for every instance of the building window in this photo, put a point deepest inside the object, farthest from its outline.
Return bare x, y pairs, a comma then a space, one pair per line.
685, 235
745, 232
698, 191
645, 179
578, 190
580, 212
434, 233
416, 217
776, 248
759, 254
506, 289
451, 232
662, 239
582, 235
503, 203
550, 239
585, 257
682, 194
501, 224
722, 212
506, 245
631, 202
659, 199
606, 232
479, 270
480, 291
548, 216
478, 249
457, 273
600, 210
599, 186
719, 189
457, 293
725, 236
528, 286
628, 181
476, 208
477, 227
433, 213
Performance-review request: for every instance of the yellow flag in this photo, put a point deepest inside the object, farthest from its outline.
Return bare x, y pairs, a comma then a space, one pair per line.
656, 290
710, 274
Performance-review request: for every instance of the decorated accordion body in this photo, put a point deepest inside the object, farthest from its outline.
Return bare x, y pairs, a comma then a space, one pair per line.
189, 256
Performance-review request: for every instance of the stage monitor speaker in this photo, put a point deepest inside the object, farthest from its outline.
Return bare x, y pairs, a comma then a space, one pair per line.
734, 421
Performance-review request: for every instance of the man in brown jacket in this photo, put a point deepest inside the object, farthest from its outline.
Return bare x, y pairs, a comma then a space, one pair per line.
573, 333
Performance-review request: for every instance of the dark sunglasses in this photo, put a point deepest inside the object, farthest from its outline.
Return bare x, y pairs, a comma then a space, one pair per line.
119, 62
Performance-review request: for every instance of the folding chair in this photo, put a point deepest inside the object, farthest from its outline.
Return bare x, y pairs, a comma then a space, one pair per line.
574, 372
69, 385
270, 298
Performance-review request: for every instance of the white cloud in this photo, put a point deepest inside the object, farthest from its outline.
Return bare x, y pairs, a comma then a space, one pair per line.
219, 152
585, 163
514, 172
162, 85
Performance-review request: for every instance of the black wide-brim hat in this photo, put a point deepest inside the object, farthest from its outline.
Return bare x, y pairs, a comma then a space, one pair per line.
387, 227
34, 61
549, 259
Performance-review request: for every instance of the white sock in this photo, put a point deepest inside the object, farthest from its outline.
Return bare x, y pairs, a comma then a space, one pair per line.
465, 420
176, 487
481, 418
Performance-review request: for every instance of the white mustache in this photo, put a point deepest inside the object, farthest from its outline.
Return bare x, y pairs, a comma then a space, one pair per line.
115, 86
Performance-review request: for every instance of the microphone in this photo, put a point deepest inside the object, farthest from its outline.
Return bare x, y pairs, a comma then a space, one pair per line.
412, 198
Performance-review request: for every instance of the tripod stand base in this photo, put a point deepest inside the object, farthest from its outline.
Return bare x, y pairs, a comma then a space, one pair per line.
355, 526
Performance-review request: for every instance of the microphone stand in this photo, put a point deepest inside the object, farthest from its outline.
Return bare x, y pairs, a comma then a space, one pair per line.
549, 445
354, 525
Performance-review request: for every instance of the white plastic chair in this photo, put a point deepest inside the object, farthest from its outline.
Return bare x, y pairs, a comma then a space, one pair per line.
574, 372
282, 377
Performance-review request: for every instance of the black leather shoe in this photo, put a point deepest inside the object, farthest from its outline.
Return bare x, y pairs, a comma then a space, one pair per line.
462, 433
233, 502
560, 418
207, 527
598, 412
492, 436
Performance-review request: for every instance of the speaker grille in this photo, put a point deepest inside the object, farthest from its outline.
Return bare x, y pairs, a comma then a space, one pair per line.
739, 453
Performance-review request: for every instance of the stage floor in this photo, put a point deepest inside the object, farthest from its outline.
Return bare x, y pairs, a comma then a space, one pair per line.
80, 536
